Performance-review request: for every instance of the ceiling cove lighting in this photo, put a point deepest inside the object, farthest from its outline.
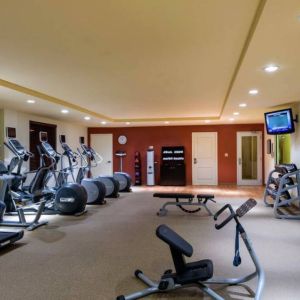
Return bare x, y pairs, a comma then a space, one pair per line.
64, 111
103, 122
271, 68
87, 118
30, 101
236, 113
243, 105
253, 92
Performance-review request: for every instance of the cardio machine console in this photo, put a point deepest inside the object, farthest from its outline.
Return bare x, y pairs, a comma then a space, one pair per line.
87, 150
48, 149
17, 147
285, 168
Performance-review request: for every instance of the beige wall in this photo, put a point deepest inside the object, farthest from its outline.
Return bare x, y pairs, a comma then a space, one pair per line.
21, 120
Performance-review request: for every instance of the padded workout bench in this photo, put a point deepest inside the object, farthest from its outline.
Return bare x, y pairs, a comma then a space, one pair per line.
202, 202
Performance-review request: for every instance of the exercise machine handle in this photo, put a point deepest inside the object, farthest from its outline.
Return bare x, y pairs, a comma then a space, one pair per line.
228, 219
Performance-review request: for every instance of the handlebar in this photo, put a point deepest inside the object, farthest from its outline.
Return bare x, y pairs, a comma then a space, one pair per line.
228, 219
240, 212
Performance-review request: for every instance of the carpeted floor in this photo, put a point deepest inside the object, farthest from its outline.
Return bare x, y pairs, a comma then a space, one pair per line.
94, 256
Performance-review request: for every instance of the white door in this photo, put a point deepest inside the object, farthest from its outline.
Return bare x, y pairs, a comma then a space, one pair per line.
103, 145
205, 158
249, 158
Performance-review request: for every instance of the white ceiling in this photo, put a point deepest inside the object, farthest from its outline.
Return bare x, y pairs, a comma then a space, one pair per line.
149, 61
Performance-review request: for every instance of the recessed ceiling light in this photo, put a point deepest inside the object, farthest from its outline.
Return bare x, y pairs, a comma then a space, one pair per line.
236, 113
242, 105
30, 101
271, 68
64, 111
167, 122
103, 122
231, 119
253, 92
87, 118
127, 123
207, 121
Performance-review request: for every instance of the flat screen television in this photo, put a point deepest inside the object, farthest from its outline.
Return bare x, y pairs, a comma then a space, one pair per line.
81, 140
62, 138
11, 132
280, 121
43, 136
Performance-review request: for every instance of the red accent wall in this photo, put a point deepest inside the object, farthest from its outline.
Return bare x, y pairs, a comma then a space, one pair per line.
140, 138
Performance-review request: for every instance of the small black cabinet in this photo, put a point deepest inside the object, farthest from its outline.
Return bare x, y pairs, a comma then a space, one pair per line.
172, 169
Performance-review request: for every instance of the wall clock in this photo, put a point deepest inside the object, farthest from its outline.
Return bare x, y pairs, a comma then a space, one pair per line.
122, 139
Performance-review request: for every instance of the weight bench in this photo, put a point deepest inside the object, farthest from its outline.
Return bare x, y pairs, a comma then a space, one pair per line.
202, 202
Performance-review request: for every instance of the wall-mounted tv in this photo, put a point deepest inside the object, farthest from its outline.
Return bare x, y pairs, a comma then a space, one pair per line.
11, 132
43, 136
62, 138
280, 121
81, 140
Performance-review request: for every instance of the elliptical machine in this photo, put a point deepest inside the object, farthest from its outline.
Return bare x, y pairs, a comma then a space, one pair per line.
69, 198
123, 178
93, 159
95, 189
16, 199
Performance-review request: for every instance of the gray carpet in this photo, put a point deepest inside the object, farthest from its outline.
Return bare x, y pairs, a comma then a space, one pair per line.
94, 256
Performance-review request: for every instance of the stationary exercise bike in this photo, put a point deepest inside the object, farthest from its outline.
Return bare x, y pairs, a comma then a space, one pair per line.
200, 273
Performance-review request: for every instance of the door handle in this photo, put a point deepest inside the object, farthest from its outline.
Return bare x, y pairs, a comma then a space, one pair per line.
195, 160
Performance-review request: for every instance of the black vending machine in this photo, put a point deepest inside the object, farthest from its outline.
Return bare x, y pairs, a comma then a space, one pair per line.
172, 168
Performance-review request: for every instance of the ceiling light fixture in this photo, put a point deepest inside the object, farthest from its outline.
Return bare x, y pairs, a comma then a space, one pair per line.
243, 105
207, 121
30, 101
253, 92
271, 68
167, 122
64, 111
103, 122
87, 118
231, 119
236, 113
127, 123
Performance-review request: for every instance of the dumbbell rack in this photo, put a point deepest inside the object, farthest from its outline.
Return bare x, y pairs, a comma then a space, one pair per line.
283, 186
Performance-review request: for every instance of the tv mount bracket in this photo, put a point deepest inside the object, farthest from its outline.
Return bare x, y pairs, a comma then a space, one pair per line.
296, 119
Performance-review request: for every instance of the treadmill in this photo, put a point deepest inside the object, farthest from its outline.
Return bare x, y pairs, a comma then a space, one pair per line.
10, 237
